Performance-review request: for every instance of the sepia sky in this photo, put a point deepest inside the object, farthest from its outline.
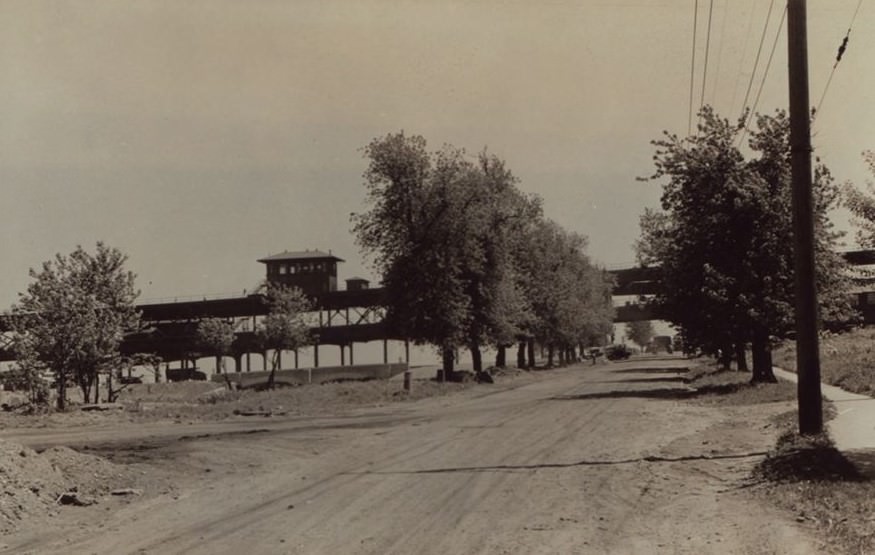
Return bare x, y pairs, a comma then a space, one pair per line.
198, 136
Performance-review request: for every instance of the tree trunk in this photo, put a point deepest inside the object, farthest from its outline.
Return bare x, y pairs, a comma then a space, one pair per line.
62, 391
224, 372
521, 355
271, 377
448, 359
501, 357
476, 358
725, 358
741, 357
97, 388
530, 347
550, 352
85, 387
761, 353
561, 357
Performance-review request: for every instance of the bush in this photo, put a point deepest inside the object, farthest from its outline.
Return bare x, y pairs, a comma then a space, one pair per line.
20, 378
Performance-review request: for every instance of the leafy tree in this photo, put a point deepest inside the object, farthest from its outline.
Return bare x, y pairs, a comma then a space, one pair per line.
285, 327
438, 229
723, 240
447, 232
861, 203
216, 337
73, 317
570, 298
27, 375
640, 332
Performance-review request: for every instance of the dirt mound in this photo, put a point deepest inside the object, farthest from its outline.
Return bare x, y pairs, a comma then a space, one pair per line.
33, 483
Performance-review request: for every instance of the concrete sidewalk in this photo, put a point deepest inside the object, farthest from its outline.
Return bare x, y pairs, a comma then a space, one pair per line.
853, 428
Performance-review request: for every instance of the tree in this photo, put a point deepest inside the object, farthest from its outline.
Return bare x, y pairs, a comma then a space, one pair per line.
26, 375
723, 240
73, 317
861, 203
438, 230
285, 327
570, 298
640, 332
216, 337
446, 231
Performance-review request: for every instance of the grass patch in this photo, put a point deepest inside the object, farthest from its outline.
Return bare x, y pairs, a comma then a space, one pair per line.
728, 387
847, 360
811, 478
303, 400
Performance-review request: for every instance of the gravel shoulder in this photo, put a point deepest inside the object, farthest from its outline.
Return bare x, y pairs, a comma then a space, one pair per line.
589, 459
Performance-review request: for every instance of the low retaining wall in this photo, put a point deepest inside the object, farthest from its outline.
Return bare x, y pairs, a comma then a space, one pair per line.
314, 375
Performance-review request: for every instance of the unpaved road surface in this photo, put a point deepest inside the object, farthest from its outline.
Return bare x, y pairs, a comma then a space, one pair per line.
589, 459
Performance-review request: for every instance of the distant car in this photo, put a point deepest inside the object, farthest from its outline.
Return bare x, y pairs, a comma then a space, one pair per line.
617, 352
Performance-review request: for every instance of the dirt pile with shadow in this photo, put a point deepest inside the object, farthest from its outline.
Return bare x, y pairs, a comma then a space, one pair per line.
37, 485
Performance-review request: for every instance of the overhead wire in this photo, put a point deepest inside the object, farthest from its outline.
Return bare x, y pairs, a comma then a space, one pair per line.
842, 47
757, 59
738, 72
719, 54
693, 67
707, 48
765, 74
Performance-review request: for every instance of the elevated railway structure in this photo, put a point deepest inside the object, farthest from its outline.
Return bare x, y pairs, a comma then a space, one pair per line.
343, 318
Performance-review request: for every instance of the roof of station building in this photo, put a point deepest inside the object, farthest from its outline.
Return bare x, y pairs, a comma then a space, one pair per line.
300, 255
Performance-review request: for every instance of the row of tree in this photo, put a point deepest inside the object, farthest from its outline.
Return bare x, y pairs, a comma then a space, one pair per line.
70, 323
469, 261
723, 240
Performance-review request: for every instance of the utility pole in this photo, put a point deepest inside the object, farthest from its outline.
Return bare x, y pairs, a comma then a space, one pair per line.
807, 349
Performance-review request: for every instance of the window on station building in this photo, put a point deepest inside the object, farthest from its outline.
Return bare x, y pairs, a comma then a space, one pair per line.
283, 269
293, 268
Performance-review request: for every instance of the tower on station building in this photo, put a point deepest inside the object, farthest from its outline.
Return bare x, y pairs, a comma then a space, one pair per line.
312, 271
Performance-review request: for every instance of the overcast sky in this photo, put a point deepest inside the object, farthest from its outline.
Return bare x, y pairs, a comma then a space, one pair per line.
198, 136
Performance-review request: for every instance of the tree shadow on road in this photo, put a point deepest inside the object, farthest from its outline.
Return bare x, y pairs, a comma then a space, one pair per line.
667, 370
670, 393
678, 379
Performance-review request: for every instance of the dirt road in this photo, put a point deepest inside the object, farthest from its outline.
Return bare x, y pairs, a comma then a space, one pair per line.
604, 459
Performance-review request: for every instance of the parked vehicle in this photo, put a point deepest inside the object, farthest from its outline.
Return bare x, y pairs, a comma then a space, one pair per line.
617, 352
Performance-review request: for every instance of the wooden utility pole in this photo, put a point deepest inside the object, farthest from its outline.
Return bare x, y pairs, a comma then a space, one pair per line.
807, 350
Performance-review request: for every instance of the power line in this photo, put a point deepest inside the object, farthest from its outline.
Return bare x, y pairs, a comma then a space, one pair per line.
765, 74
741, 59
707, 48
693, 67
720, 54
842, 47
757, 59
